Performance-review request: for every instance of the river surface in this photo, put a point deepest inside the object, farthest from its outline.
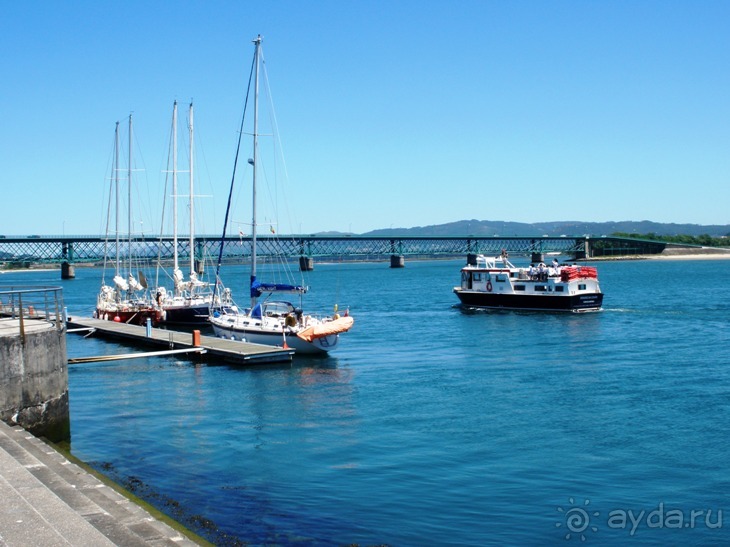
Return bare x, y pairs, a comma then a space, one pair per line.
430, 426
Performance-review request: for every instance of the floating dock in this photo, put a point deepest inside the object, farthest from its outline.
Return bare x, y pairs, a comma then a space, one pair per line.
212, 349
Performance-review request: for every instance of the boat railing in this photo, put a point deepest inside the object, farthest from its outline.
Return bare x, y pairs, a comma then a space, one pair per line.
20, 304
493, 262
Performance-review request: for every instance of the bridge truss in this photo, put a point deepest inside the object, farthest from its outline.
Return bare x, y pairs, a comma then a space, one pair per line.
19, 251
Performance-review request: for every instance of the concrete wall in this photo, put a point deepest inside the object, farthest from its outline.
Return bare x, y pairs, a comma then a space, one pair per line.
34, 378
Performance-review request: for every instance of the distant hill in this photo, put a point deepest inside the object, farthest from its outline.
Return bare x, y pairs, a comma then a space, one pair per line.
557, 228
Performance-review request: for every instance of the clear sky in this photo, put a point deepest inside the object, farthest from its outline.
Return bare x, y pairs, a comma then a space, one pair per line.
391, 113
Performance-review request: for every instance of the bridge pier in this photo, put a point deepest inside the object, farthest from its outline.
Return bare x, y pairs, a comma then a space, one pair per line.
397, 261
536, 257
67, 253
471, 259
306, 264
68, 271
585, 253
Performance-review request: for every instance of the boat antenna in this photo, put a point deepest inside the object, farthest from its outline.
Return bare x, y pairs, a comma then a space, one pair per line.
233, 178
129, 197
174, 190
191, 199
116, 195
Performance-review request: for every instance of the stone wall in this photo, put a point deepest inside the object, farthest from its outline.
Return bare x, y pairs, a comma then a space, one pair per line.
34, 378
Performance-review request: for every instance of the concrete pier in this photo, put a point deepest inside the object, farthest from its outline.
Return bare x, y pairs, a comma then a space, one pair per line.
68, 271
34, 377
306, 264
397, 261
48, 500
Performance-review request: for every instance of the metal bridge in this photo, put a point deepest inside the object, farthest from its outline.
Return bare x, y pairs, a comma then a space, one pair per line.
25, 251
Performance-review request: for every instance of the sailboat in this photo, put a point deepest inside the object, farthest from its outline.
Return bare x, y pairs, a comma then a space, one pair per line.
127, 301
189, 302
268, 320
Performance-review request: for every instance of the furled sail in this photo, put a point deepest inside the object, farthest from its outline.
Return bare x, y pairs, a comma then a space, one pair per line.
258, 288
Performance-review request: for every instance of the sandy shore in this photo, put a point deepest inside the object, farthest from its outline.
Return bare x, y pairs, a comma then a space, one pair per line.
691, 253
28, 270
681, 253
725, 256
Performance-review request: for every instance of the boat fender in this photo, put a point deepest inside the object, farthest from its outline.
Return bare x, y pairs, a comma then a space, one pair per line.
489, 286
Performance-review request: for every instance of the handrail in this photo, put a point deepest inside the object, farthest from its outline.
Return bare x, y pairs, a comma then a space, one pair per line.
35, 303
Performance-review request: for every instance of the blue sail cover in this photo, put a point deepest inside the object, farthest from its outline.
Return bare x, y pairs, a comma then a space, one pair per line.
258, 288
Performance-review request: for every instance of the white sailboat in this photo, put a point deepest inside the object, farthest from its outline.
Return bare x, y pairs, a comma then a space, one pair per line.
268, 320
189, 301
127, 301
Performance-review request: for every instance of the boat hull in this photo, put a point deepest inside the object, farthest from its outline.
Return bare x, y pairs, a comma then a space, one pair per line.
565, 303
186, 315
319, 346
132, 317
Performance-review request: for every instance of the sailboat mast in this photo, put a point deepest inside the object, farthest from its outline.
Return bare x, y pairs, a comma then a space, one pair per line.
192, 201
116, 194
174, 187
257, 41
129, 197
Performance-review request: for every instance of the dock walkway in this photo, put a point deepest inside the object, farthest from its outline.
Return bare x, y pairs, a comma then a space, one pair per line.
48, 500
218, 350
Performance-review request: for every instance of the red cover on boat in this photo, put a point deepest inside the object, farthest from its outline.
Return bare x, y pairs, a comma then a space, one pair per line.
578, 272
343, 324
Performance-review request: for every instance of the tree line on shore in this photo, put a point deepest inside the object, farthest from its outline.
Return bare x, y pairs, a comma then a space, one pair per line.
704, 240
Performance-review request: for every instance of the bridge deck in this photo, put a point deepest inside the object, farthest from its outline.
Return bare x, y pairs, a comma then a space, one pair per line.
82, 249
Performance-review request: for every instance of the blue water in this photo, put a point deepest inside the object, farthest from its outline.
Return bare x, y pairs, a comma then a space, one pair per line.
435, 427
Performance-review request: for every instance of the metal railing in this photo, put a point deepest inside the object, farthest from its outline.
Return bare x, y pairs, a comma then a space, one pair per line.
32, 303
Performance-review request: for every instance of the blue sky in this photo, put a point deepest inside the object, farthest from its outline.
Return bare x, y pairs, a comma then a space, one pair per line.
391, 113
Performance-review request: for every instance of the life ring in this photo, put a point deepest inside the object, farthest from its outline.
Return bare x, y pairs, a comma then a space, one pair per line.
489, 286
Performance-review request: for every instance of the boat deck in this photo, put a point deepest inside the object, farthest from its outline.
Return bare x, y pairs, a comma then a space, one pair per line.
217, 350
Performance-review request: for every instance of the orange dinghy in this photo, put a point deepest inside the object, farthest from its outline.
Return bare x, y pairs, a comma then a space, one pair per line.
328, 328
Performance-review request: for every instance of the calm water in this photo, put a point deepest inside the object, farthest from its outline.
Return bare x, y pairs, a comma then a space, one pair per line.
431, 426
